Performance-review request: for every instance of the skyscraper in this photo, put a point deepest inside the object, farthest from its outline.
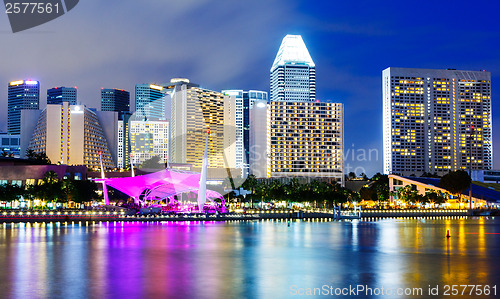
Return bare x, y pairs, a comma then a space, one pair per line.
72, 135
195, 111
435, 121
303, 136
115, 100
22, 94
58, 95
305, 139
148, 138
244, 100
152, 101
259, 132
293, 74
123, 139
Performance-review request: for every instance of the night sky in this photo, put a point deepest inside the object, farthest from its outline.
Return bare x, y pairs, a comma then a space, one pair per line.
231, 44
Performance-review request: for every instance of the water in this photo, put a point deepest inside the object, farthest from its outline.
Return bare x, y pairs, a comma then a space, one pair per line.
266, 259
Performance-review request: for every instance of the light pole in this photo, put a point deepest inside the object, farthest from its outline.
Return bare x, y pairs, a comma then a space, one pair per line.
471, 138
132, 164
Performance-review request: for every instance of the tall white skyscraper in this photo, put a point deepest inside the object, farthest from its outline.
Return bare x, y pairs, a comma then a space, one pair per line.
436, 121
244, 101
295, 135
293, 74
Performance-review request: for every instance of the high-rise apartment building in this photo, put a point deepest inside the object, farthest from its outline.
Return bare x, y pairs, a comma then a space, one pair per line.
123, 139
195, 111
258, 138
59, 95
293, 73
72, 135
22, 95
305, 139
244, 100
115, 100
148, 138
152, 101
436, 121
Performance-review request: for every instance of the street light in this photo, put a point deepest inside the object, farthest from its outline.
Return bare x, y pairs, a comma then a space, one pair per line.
471, 138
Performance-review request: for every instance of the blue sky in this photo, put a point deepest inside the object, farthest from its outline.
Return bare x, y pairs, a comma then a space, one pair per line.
231, 44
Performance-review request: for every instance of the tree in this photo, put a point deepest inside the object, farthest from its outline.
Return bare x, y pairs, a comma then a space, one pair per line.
352, 175
381, 185
50, 189
153, 163
368, 193
39, 158
407, 193
456, 182
10, 192
419, 198
84, 191
434, 198
250, 183
7, 154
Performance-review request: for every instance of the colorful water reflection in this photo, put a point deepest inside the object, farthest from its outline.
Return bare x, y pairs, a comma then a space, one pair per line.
243, 259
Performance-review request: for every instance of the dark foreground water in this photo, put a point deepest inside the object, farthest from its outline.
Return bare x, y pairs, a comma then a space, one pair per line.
268, 259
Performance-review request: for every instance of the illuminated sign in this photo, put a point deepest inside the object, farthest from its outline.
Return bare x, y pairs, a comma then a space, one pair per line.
156, 87
16, 82
77, 109
31, 82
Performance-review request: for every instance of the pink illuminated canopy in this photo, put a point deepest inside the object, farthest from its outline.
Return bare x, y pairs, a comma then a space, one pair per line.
170, 182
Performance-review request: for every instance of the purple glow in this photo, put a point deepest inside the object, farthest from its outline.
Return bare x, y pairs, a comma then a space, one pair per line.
164, 185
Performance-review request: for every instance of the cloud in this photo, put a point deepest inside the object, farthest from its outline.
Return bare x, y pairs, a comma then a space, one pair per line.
105, 44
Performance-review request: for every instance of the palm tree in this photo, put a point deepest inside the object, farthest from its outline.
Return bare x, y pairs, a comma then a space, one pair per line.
406, 193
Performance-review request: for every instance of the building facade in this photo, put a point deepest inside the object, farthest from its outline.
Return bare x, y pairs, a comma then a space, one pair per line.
22, 95
124, 150
305, 139
293, 73
59, 95
71, 135
11, 145
117, 100
436, 121
148, 138
258, 138
194, 112
151, 101
244, 101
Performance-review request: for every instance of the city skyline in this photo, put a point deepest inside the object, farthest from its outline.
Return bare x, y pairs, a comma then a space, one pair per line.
350, 45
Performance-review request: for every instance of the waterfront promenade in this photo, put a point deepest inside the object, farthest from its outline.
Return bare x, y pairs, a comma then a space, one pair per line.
83, 215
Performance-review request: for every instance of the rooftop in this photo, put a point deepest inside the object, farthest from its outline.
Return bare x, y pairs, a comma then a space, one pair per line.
292, 51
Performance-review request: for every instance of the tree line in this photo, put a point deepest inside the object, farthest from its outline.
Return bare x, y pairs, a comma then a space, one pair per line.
326, 194
51, 189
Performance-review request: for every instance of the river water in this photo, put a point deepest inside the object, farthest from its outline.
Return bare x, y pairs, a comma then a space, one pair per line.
253, 259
